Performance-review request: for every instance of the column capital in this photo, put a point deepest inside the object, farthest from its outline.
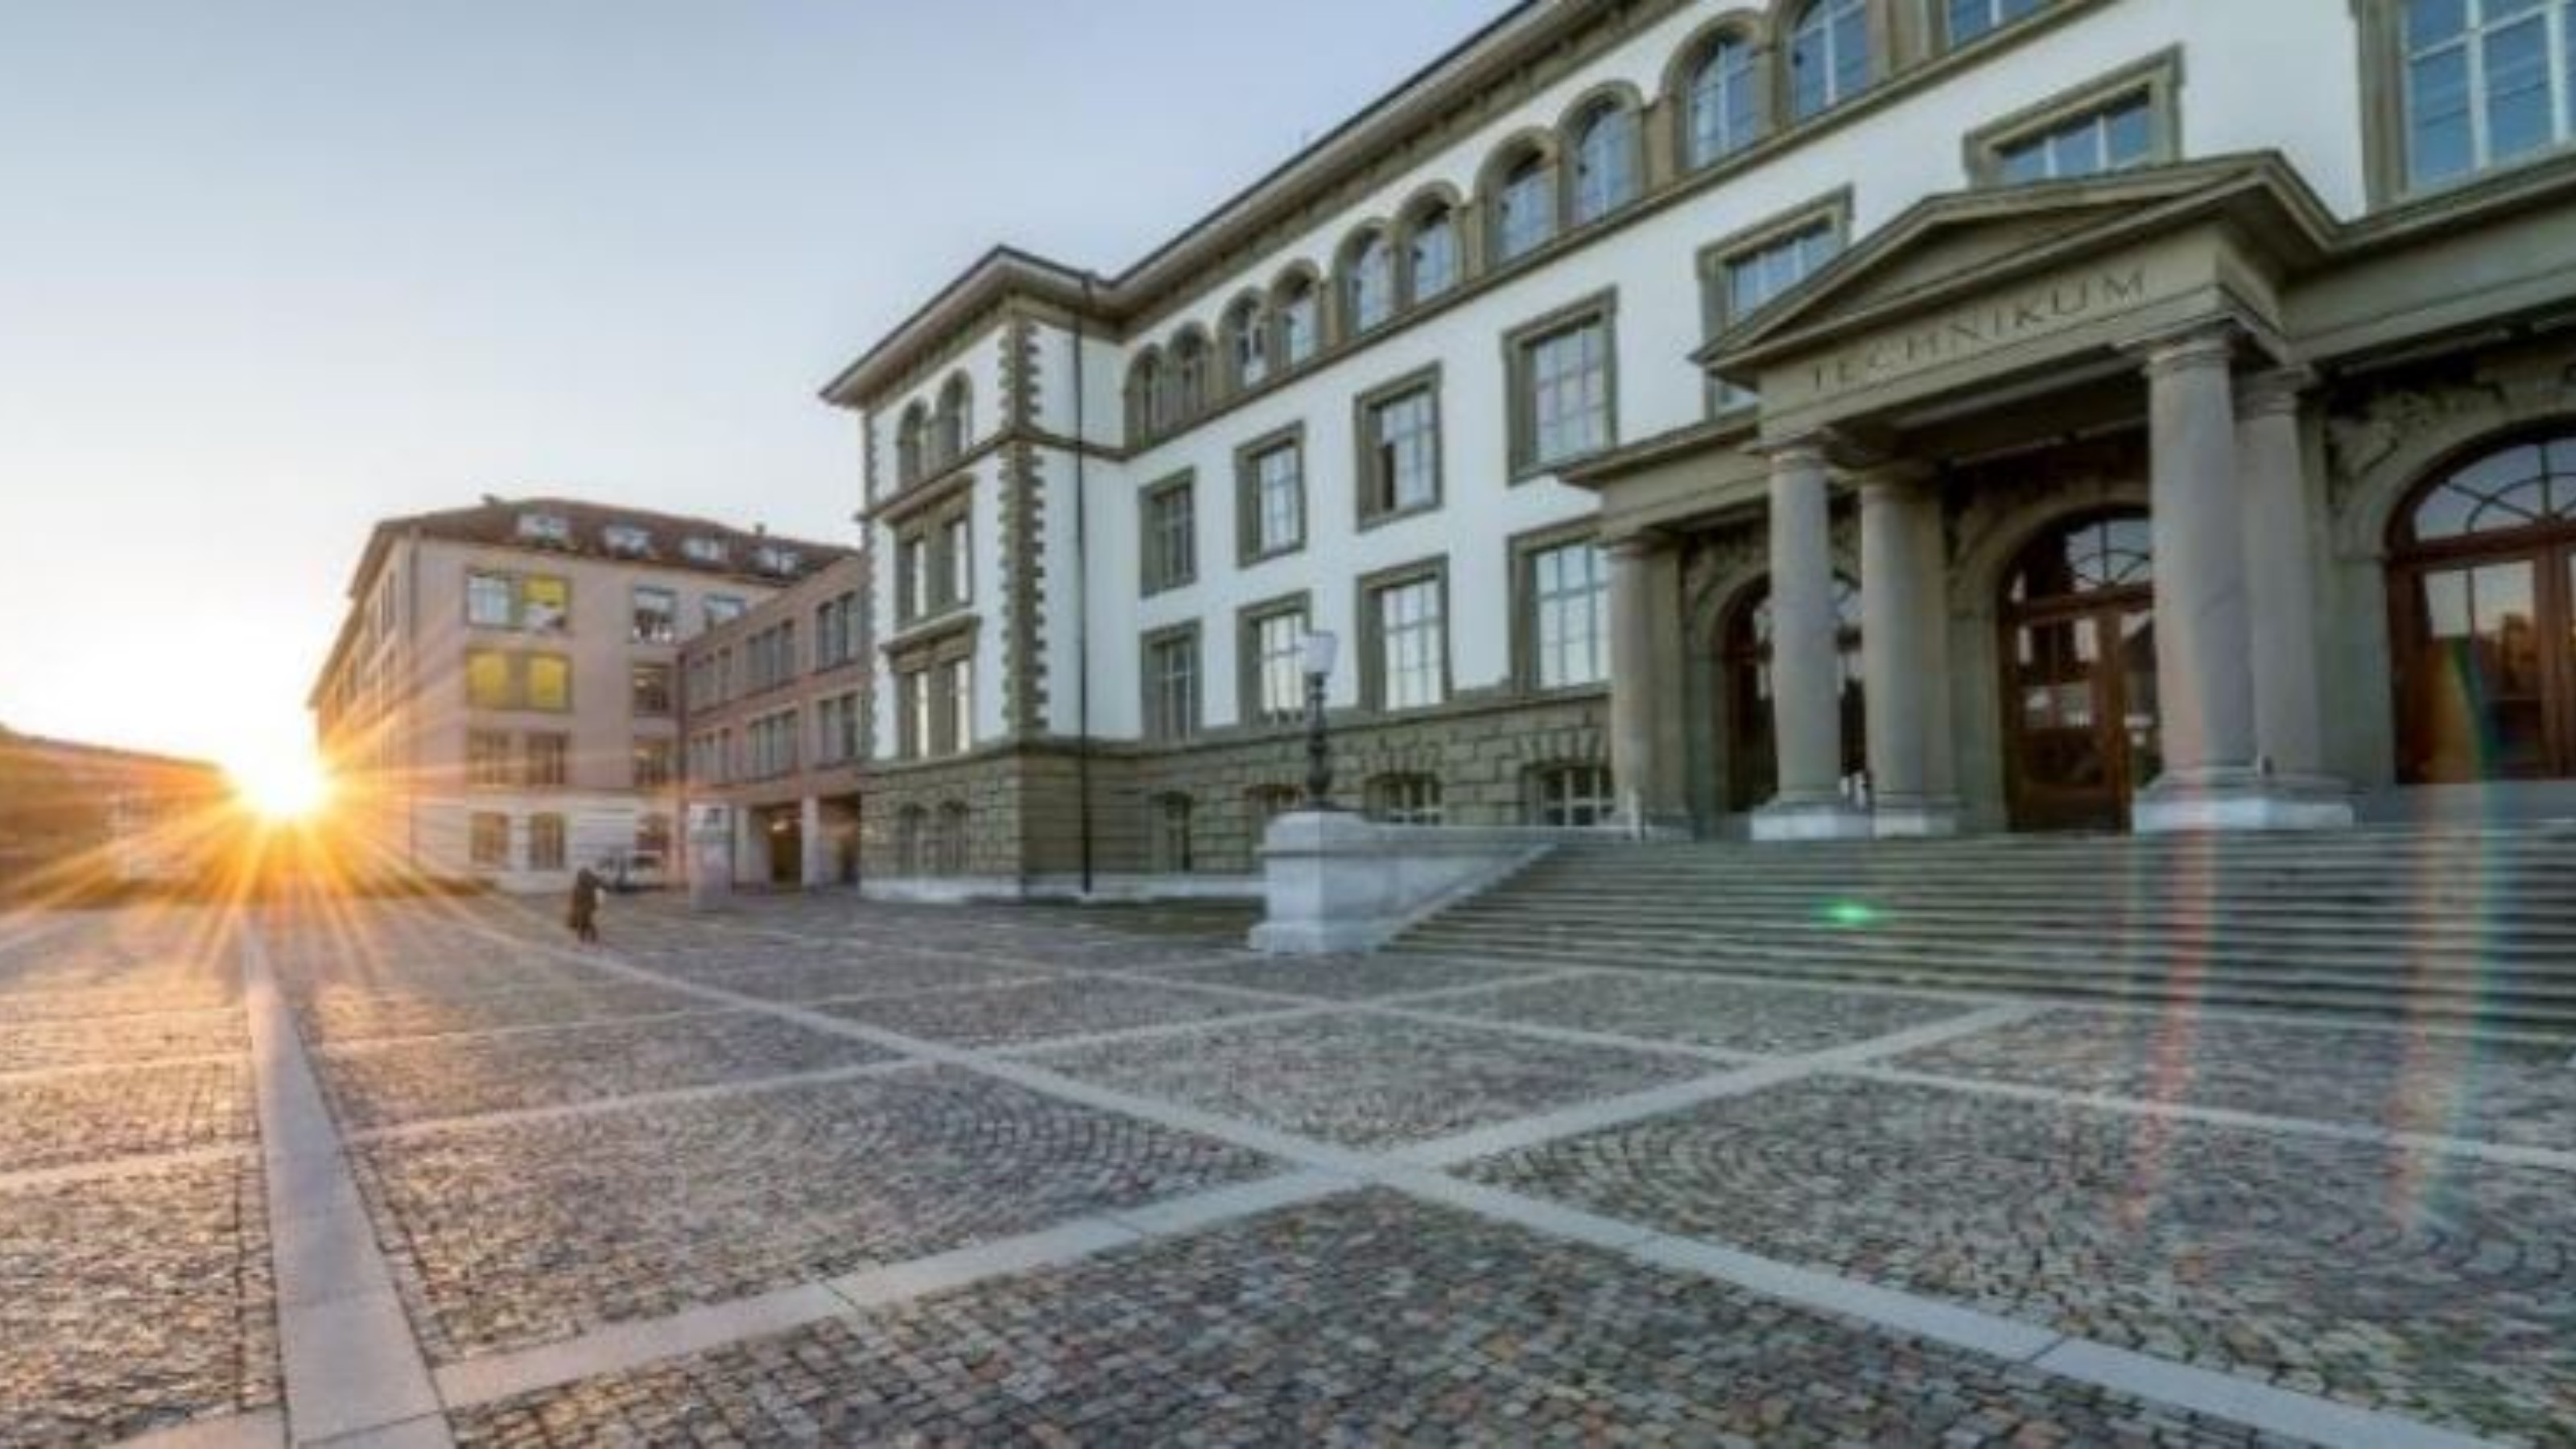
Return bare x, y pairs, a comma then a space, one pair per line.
2210, 343
1902, 475
1804, 450
2278, 391
1637, 547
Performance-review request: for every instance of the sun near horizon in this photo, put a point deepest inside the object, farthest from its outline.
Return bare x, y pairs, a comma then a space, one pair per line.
282, 784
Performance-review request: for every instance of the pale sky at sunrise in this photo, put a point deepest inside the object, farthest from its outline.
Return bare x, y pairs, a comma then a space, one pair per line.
272, 269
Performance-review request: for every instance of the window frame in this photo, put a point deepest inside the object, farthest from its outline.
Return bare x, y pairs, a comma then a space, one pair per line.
1527, 654
1371, 588
1155, 573
1520, 346
1156, 724
2388, 100
1366, 473
1251, 664
1248, 512
2157, 78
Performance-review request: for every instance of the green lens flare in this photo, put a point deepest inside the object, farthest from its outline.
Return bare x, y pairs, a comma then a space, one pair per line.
1851, 915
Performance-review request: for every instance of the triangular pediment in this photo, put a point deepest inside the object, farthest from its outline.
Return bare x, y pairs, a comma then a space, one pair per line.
1962, 242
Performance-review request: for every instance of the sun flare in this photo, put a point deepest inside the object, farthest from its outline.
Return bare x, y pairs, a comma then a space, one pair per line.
283, 785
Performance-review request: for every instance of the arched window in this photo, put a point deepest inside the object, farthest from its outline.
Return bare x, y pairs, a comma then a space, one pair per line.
2487, 82
2482, 573
912, 445
1189, 375
1146, 405
1368, 282
1432, 253
1605, 161
1405, 800
1723, 110
1524, 204
1753, 753
1247, 343
1298, 321
956, 418
1969, 19
1828, 56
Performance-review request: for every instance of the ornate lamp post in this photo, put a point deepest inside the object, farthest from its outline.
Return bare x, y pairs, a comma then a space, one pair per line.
1321, 647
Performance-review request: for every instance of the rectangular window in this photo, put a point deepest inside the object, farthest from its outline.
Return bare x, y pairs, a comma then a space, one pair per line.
836, 730
912, 714
650, 690
1570, 623
1563, 406
1270, 498
1399, 465
491, 601
1573, 797
2110, 123
488, 840
960, 712
548, 682
722, 609
1970, 19
545, 842
545, 604
836, 632
653, 838
1406, 800
547, 764
1275, 646
1170, 520
657, 615
1411, 643
653, 760
1747, 272
957, 562
1172, 684
489, 682
487, 760
911, 578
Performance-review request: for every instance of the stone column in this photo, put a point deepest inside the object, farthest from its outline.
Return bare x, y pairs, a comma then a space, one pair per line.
1904, 648
1805, 656
814, 846
1636, 681
2204, 628
2287, 639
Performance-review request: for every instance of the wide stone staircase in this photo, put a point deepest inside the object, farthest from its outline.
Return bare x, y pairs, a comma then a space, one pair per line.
2452, 926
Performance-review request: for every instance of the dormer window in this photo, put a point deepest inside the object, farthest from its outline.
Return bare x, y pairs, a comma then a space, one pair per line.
545, 528
769, 558
626, 540
703, 550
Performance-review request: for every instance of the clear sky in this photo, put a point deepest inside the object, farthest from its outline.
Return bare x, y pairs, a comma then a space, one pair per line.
272, 269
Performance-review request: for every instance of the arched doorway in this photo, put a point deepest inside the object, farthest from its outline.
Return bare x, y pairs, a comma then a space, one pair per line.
2079, 652
2482, 585
1753, 756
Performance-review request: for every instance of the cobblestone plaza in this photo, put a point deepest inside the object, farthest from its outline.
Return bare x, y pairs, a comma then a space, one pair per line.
816, 1171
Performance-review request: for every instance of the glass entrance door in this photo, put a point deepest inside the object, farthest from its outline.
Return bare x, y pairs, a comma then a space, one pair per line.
2079, 647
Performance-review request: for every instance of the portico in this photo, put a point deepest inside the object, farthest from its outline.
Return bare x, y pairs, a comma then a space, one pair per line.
2057, 444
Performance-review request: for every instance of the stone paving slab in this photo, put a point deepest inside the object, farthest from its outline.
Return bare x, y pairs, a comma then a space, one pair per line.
2437, 1288
411, 1081
1019, 1014
1367, 1320
1345, 978
55, 1121
2519, 1094
134, 1304
1367, 1082
194, 992
785, 971
331, 1018
45, 1045
511, 1237
1726, 1015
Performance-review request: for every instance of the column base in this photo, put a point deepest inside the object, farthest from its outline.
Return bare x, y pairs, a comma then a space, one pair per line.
2241, 800
1915, 819
1787, 821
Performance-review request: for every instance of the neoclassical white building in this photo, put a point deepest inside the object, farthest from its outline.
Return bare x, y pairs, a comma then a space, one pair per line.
1820, 418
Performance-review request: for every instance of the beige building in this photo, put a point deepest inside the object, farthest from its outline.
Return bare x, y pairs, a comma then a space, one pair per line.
775, 718
502, 703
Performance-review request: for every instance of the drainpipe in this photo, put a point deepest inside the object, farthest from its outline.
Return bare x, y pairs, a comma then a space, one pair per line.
1082, 594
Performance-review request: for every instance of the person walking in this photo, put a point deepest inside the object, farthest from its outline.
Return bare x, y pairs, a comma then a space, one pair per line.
585, 906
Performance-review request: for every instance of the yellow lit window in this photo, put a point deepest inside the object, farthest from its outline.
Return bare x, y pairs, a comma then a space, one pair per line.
549, 682
487, 679
545, 604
